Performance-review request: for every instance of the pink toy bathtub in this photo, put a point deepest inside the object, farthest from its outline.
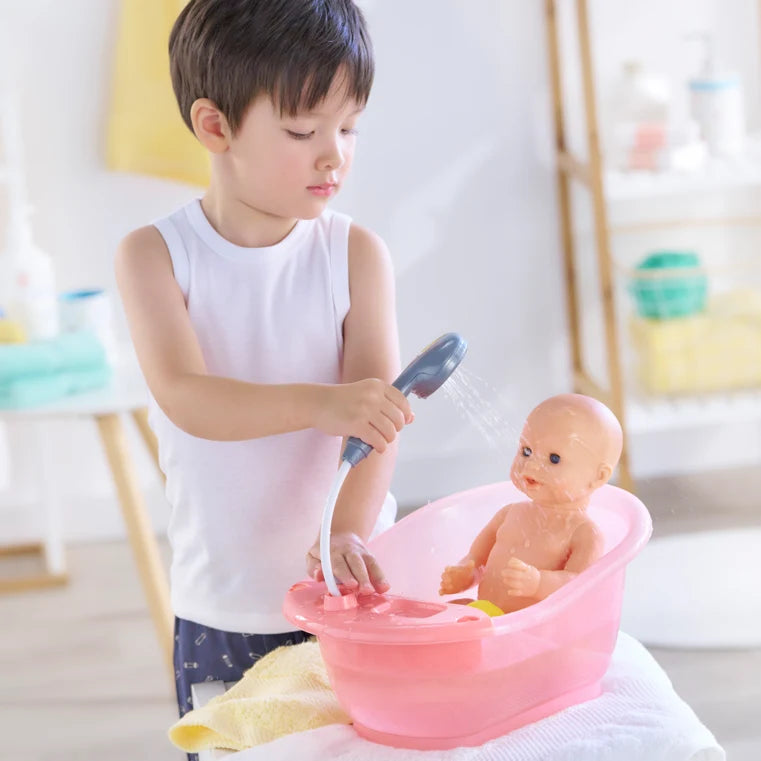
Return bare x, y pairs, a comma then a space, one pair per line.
414, 671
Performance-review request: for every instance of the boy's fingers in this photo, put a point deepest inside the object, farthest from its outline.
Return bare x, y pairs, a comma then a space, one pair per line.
401, 401
377, 577
395, 415
386, 426
353, 567
313, 565
374, 438
342, 572
358, 570
314, 570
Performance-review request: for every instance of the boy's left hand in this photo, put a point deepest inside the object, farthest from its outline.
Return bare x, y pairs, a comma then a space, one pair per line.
353, 564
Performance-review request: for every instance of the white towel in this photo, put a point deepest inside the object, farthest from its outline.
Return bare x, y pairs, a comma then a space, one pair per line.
639, 716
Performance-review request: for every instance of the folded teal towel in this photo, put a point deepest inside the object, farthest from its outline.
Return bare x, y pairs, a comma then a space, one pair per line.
42, 389
69, 351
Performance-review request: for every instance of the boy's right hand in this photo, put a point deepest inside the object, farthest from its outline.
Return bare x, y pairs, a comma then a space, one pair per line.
458, 578
370, 409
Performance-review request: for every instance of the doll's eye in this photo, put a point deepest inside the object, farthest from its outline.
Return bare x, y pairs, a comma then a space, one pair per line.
554, 458
526, 451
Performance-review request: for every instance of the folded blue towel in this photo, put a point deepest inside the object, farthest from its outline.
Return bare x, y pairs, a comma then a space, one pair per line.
69, 351
34, 390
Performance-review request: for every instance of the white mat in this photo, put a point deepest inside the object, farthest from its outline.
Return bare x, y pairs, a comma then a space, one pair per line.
696, 590
638, 717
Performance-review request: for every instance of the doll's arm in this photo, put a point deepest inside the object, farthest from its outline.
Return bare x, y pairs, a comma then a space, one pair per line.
469, 571
524, 580
486, 539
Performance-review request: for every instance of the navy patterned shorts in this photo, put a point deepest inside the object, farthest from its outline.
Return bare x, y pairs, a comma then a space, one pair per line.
203, 654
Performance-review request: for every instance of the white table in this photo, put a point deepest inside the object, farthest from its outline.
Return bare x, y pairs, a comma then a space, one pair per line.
126, 394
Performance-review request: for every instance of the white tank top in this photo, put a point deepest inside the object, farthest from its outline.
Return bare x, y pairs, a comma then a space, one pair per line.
245, 513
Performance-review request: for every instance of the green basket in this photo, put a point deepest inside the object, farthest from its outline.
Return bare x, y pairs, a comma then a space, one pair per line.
672, 284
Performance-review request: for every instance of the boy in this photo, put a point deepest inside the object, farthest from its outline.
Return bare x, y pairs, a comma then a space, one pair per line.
264, 324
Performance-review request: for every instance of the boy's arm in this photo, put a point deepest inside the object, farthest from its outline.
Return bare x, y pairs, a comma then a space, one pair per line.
525, 580
371, 349
224, 409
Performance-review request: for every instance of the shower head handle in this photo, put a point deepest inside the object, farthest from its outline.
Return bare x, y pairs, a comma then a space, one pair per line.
424, 375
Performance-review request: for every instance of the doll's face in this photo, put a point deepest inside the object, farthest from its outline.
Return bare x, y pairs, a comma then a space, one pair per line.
559, 459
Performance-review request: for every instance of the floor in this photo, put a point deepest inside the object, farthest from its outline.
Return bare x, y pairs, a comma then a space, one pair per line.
82, 678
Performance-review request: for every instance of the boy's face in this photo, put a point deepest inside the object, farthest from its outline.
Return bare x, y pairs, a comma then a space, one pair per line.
291, 166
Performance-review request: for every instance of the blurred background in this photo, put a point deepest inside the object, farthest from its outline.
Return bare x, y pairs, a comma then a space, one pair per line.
659, 198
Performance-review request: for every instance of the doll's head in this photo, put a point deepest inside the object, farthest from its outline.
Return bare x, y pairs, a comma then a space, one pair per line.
569, 447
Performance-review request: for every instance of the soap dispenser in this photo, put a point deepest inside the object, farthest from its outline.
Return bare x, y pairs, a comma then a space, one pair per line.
716, 103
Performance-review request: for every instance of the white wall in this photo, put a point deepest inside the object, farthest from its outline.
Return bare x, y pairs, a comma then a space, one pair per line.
454, 170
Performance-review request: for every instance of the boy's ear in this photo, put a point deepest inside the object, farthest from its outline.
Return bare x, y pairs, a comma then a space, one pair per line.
210, 125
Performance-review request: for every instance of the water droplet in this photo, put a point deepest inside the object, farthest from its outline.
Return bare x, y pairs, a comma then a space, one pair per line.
472, 397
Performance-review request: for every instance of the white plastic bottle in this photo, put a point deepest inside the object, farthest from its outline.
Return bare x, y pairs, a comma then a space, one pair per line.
31, 293
716, 102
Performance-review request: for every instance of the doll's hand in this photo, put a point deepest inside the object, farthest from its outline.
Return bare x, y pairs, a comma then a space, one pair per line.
521, 579
458, 578
353, 564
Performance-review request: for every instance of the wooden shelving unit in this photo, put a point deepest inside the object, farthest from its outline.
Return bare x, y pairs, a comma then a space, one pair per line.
637, 413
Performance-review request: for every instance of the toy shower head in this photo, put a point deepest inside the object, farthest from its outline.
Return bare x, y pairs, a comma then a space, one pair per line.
424, 375
431, 368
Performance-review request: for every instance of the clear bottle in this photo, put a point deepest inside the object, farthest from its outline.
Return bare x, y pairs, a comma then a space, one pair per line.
636, 117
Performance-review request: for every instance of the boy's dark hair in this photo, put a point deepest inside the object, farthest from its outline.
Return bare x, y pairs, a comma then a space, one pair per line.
230, 51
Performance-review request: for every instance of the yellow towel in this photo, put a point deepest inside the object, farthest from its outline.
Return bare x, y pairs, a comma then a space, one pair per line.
146, 133
286, 691
718, 349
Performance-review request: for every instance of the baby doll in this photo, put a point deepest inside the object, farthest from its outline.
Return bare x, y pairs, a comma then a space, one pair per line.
569, 446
